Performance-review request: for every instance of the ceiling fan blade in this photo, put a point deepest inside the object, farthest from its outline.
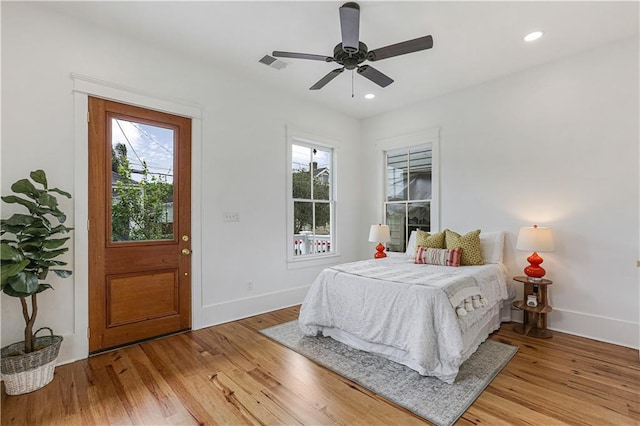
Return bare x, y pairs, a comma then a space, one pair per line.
327, 78
374, 75
409, 46
279, 54
350, 26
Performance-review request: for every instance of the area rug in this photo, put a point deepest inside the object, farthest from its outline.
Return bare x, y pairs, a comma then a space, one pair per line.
427, 397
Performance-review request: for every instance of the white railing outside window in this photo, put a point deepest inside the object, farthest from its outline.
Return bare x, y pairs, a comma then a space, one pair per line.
306, 243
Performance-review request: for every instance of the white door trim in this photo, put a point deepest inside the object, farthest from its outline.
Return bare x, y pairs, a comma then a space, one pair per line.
83, 87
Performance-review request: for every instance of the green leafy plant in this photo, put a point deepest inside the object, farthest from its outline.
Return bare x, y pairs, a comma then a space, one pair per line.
139, 209
303, 210
30, 245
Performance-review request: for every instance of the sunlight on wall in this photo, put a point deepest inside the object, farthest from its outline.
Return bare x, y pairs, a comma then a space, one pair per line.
544, 211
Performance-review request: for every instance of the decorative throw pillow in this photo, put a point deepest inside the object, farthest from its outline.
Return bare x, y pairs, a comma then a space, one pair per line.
470, 243
424, 239
434, 256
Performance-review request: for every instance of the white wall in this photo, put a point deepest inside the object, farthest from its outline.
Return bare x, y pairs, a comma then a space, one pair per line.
242, 161
555, 145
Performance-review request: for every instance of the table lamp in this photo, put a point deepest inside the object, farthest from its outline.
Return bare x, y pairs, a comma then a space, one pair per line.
535, 239
379, 234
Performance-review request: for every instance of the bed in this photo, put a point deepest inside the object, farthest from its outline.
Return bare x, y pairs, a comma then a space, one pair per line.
410, 313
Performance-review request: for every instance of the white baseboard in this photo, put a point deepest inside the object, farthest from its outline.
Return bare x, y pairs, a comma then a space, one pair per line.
233, 310
609, 330
604, 329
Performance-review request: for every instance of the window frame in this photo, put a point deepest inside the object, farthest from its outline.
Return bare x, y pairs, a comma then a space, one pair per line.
297, 137
406, 203
428, 138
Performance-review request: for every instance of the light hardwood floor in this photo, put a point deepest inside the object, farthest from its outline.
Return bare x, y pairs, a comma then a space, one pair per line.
231, 374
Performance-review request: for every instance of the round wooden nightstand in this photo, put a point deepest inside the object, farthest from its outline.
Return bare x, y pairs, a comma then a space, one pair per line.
534, 319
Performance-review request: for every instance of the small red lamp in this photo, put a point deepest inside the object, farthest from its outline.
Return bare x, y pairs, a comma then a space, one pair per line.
379, 234
535, 239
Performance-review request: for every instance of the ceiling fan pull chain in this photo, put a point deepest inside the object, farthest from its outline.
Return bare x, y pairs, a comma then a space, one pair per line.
352, 83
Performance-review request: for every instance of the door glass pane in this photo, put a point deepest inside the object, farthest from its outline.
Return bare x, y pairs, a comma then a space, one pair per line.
141, 181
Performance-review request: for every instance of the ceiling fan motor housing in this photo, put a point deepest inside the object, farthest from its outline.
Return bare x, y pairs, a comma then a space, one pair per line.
350, 26
350, 60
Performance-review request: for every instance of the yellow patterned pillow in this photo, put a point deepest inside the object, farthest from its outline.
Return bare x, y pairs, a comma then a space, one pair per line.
470, 243
424, 239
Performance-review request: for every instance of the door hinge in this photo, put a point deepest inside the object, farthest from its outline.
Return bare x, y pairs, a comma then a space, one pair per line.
88, 117
88, 225
88, 333
638, 263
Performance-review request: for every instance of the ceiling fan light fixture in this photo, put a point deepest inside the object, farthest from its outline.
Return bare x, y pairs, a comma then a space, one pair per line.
533, 36
369, 96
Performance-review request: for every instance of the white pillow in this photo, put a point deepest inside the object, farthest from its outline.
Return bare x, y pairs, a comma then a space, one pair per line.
492, 246
411, 245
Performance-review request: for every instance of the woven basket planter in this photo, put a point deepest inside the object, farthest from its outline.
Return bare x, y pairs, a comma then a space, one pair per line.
24, 373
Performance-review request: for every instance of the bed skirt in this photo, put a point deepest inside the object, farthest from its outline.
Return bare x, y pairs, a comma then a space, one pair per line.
471, 338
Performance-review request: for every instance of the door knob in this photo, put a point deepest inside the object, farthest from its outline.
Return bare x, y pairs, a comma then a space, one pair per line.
186, 251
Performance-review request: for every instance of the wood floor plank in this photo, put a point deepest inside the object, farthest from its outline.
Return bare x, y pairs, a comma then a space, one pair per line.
230, 374
304, 412
102, 395
492, 409
191, 382
168, 403
601, 390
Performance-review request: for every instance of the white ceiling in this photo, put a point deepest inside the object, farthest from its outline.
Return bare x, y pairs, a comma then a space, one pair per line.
473, 41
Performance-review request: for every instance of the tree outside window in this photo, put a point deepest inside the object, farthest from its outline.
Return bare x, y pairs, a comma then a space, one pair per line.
141, 210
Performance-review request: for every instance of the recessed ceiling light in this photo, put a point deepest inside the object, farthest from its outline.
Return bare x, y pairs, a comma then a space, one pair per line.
369, 96
533, 36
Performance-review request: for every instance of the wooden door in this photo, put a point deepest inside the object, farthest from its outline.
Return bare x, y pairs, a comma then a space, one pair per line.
139, 224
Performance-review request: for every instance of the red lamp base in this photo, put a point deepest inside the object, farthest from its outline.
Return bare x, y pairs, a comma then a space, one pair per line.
534, 271
380, 252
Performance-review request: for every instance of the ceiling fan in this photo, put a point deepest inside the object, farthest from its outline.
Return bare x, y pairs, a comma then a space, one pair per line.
351, 53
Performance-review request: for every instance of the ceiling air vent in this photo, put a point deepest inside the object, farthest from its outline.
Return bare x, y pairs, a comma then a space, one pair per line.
272, 62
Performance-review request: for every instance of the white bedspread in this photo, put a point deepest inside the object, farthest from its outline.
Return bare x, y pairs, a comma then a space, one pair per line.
416, 318
459, 288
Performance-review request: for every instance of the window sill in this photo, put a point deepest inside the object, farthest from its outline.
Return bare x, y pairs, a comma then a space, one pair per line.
309, 262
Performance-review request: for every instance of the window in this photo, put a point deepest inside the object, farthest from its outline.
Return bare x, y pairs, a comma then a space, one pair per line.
311, 200
408, 197
141, 180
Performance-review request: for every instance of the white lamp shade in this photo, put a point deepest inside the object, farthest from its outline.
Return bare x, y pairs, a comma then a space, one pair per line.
535, 238
379, 234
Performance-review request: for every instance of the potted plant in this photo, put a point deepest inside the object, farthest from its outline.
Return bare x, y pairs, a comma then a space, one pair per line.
30, 246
